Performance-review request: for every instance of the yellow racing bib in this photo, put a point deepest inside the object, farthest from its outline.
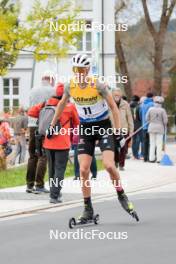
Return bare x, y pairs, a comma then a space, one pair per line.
90, 104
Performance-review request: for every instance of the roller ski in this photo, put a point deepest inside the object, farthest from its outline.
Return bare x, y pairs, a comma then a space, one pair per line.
127, 206
86, 218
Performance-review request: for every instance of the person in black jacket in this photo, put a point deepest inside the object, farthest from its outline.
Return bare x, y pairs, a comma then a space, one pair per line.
137, 138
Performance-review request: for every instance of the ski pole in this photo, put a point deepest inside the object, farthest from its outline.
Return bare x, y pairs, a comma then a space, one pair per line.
135, 132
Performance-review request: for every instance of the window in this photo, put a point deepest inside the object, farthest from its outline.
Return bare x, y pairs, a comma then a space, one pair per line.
15, 103
15, 86
88, 41
6, 86
84, 43
80, 43
10, 93
6, 105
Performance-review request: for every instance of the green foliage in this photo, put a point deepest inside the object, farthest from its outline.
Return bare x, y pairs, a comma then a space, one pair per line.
38, 34
8, 34
170, 101
34, 34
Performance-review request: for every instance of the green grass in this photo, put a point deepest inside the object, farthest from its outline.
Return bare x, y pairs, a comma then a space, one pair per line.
16, 176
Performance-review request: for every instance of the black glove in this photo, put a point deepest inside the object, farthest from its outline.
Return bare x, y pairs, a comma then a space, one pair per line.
120, 140
53, 130
50, 132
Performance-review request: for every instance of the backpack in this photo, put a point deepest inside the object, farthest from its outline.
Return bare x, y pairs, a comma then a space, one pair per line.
45, 117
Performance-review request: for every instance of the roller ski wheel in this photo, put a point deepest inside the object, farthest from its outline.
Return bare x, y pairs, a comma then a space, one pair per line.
96, 219
134, 215
72, 223
128, 206
83, 221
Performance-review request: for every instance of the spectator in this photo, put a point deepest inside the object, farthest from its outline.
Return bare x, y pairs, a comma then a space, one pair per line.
19, 125
93, 167
137, 138
4, 139
57, 147
145, 106
126, 122
36, 167
157, 118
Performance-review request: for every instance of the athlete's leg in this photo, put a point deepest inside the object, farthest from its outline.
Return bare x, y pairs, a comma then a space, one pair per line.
85, 161
109, 164
106, 143
86, 150
108, 161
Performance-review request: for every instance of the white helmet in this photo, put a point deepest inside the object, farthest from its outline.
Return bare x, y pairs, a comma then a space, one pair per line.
80, 60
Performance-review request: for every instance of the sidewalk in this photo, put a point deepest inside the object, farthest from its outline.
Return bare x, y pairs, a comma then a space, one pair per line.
137, 176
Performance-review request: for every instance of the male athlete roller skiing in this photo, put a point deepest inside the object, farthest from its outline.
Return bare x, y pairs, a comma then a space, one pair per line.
93, 102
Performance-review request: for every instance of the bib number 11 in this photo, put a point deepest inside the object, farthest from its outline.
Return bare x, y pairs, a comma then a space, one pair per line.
87, 110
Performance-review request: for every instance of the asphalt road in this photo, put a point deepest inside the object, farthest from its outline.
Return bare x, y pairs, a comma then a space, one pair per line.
151, 241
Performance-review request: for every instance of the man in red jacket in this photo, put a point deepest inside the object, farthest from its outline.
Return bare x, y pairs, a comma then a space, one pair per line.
57, 148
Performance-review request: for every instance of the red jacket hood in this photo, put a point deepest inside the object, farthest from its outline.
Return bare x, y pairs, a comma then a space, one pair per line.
52, 101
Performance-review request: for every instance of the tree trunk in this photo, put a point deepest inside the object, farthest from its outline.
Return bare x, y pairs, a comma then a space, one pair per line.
158, 67
158, 38
123, 65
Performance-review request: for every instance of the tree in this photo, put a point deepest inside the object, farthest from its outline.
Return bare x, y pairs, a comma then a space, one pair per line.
35, 35
170, 101
39, 37
8, 35
123, 67
123, 64
158, 36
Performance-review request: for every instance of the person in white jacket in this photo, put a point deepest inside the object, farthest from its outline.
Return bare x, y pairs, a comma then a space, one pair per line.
157, 118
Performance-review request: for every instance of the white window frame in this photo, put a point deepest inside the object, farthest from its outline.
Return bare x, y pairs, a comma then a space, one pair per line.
11, 96
75, 49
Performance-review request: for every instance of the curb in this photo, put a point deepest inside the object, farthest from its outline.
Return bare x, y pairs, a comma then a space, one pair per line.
49, 206
65, 204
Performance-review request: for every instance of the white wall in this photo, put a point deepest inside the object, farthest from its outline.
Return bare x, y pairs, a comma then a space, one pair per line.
23, 67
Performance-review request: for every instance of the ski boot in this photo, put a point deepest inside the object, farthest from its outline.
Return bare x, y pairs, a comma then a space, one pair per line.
127, 205
87, 217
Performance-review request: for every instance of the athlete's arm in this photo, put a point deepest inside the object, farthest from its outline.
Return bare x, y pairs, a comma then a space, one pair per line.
115, 111
104, 91
60, 106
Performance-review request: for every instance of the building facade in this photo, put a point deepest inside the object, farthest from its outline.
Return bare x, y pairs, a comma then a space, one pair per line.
100, 45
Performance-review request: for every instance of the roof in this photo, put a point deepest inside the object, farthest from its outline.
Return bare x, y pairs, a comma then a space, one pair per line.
143, 86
